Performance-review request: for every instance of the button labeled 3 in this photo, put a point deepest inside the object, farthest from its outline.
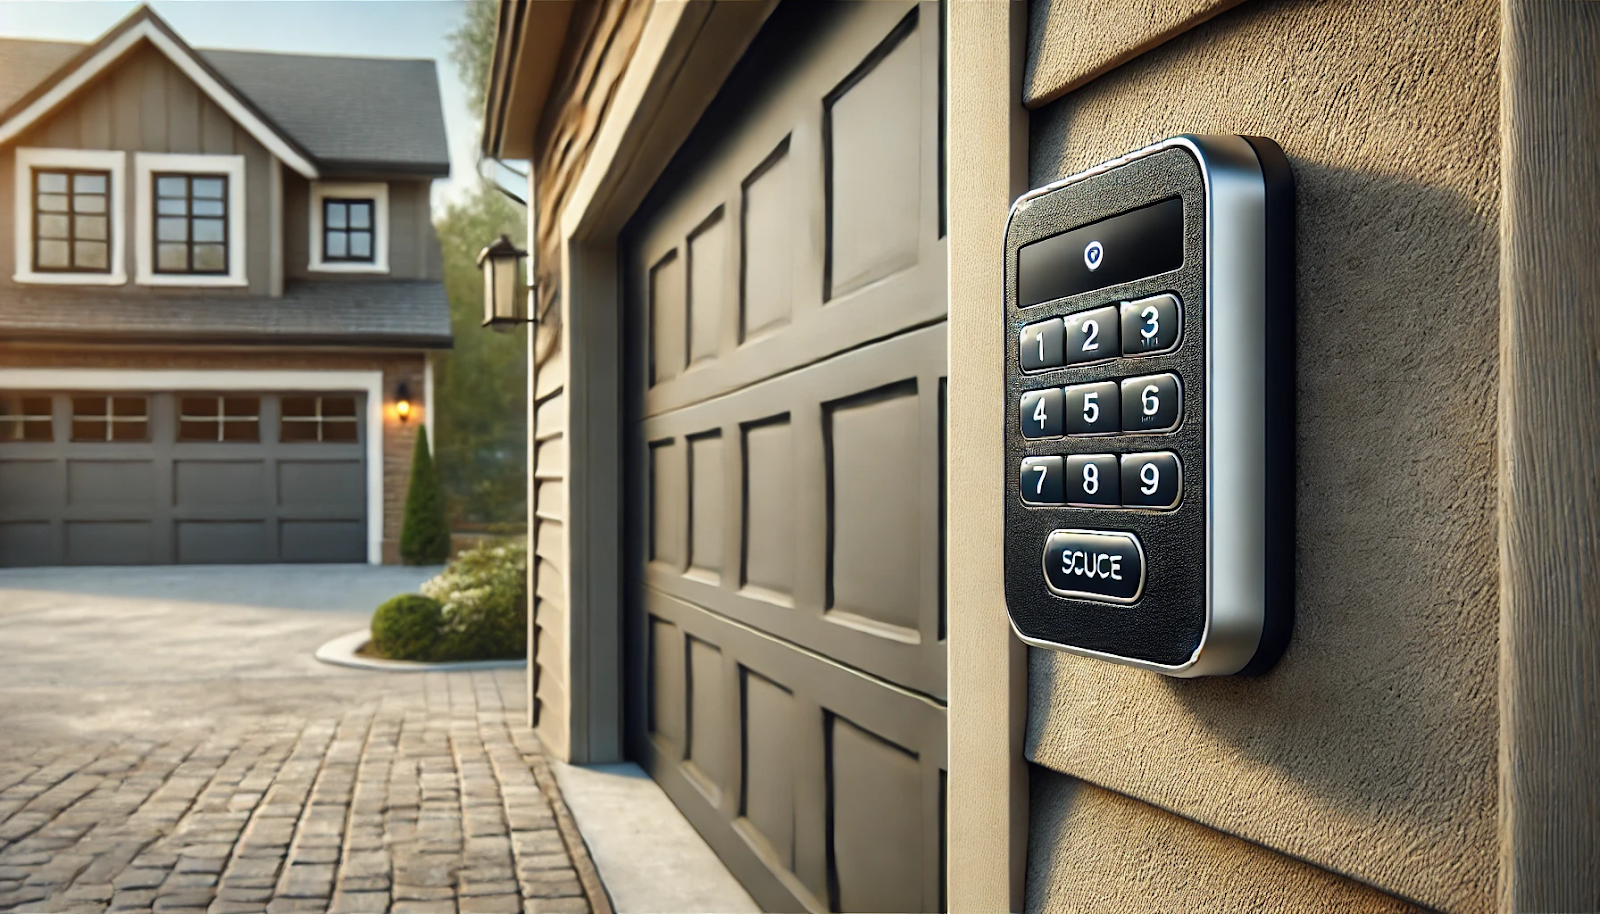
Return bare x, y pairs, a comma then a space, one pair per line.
1092, 336
1091, 565
1151, 325
1153, 403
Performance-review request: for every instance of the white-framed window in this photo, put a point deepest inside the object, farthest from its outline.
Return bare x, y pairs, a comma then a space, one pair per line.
69, 221
349, 227
189, 220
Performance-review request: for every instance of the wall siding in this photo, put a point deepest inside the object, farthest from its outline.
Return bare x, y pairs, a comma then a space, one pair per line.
1371, 750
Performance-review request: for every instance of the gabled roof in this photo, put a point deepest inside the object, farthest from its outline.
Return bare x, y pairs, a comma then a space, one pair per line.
318, 114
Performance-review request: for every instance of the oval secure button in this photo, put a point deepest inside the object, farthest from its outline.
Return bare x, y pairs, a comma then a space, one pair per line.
1094, 565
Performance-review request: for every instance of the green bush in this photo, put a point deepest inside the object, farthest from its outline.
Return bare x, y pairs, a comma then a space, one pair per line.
484, 597
425, 535
407, 627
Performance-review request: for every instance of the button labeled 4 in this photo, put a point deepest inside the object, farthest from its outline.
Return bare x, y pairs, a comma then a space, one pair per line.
1041, 414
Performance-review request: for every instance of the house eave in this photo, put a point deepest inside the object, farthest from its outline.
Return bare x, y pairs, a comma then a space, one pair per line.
529, 39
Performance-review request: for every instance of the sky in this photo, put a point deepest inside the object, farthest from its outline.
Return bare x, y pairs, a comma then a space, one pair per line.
376, 28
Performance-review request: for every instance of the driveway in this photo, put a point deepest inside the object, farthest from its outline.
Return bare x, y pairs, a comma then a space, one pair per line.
168, 743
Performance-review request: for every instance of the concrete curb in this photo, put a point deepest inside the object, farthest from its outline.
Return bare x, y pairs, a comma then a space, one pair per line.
341, 651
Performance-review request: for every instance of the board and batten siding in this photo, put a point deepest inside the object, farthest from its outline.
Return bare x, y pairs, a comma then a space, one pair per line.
146, 104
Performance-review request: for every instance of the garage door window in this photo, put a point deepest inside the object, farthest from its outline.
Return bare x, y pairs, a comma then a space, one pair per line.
219, 419
319, 419
25, 418
110, 418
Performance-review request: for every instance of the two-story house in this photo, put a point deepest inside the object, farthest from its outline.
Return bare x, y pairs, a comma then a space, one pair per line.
219, 294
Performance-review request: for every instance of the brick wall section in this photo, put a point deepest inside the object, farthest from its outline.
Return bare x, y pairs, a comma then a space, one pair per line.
397, 366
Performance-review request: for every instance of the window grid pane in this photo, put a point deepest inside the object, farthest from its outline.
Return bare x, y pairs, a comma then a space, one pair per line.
347, 230
111, 418
307, 419
62, 244
222, 418
191, 224
25, 418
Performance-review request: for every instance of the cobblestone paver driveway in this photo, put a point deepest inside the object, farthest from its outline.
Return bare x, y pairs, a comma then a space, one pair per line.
168, 743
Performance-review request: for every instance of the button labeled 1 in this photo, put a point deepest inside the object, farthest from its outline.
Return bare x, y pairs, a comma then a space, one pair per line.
1095, 566
1039, 347
1151, 480
1153, 403
1041, 414
1091, 480
1093, 409
1041, 481
1151, 325
1092, 336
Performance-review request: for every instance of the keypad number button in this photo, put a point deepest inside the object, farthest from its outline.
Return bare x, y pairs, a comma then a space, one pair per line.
1041, 414
1042, 482
1093, 409
1151, 325
1153, 403
1092, 336
1151, 480
1040, 345
1092, 480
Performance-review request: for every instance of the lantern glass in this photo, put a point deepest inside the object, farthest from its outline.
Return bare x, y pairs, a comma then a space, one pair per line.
502, 284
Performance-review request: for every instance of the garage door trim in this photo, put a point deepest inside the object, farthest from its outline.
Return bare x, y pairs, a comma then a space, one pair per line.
178, 381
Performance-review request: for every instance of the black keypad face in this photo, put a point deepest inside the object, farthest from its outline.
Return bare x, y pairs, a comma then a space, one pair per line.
1042, 482
1151, 404
1042, 414
1092, 480
1151, 480
1151, 325
1093, 409
1092, 336
1041, 345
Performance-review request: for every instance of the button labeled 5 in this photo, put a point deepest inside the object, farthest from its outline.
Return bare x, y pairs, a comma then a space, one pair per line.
1151, 325
1153, 403
1092, 336
1151, 480
1093, 409
1041, 414
1041, 480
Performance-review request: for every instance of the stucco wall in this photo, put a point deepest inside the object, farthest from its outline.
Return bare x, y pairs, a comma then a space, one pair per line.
1371, 750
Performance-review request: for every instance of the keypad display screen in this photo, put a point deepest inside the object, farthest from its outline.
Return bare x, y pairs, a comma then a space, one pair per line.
1145, 242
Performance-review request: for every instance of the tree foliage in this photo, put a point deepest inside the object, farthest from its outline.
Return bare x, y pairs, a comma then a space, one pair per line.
425, 533
472, 49
482, 384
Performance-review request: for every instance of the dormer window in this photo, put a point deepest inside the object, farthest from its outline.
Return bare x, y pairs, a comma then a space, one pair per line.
347, 230
189, 219
349, 227
68, 216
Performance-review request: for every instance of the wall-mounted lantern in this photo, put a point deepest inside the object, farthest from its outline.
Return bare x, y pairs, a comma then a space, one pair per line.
402, 402
503, 287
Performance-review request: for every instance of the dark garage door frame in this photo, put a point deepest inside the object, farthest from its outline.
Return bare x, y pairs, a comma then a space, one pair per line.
160, 501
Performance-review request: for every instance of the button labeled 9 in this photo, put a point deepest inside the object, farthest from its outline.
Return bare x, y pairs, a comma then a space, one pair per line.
1151, 480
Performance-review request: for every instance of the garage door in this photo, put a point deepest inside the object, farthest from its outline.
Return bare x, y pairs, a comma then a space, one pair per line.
135, 478
786, 614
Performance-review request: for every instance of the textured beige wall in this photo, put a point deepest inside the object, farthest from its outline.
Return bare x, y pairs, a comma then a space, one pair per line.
1128, 856
1371, 749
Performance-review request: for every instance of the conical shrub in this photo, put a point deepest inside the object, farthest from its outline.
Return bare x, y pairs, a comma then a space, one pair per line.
425, 537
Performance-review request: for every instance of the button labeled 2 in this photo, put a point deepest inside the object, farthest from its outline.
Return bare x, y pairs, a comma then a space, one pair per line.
1039, 346
1091, 480
1092, 336
1041, 481
1091, 565
1151, 404
1151, 480
1041, 414
1093, 409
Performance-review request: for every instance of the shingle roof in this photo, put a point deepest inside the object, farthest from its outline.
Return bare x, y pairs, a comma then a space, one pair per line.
326, 312
353, 114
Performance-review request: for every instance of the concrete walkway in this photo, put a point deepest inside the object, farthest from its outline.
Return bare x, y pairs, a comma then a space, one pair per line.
167, 743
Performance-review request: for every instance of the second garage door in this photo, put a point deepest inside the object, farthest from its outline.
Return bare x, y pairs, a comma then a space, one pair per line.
136, 478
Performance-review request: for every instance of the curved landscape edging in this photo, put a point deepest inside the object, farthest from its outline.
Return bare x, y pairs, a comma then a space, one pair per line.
341, 651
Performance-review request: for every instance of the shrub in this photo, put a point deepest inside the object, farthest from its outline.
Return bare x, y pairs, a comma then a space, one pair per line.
425, 535
407, 627
484, 597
